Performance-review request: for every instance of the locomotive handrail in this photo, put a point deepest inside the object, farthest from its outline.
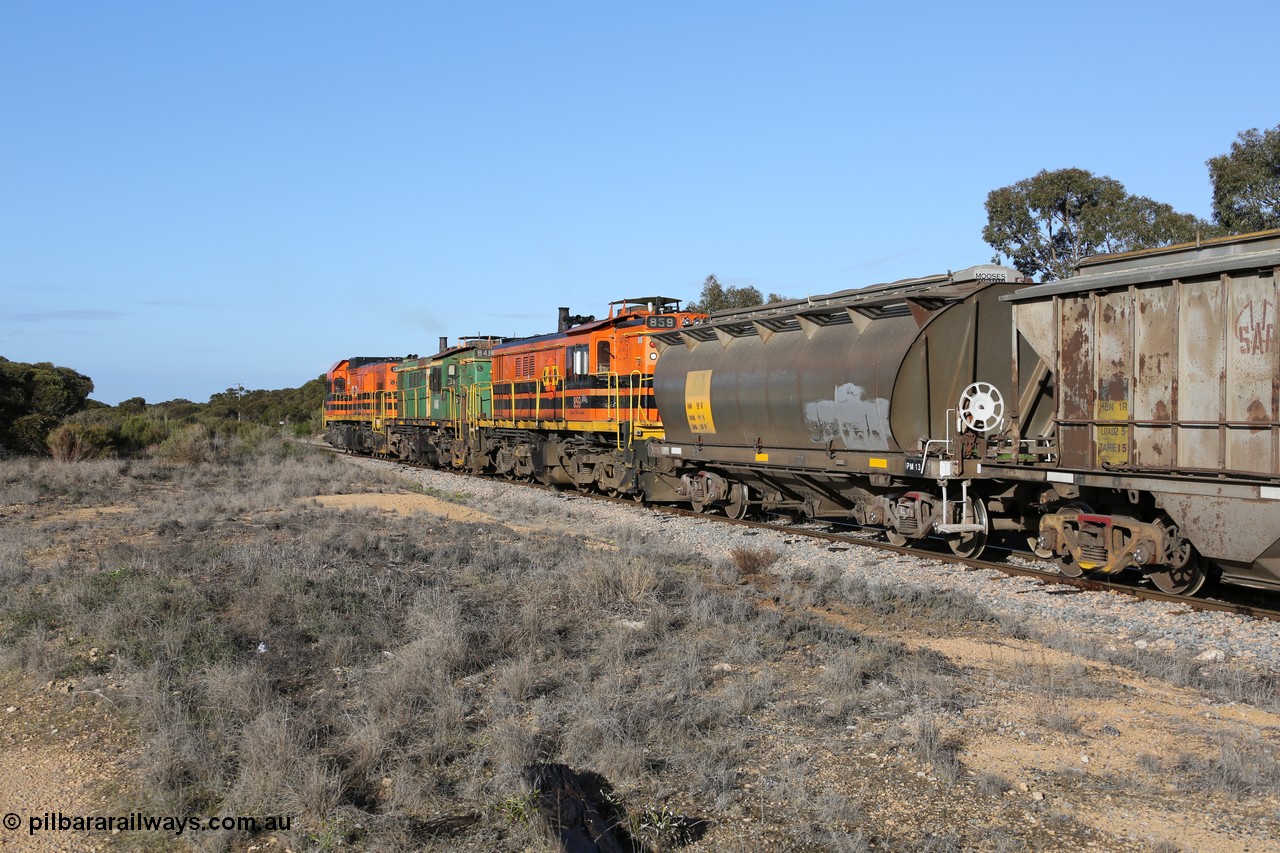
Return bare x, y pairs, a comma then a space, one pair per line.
380, 407
637, 394
412, 396
473, 407
512, 414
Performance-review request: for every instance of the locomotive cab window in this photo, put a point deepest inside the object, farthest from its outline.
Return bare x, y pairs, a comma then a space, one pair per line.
576, 360
603, 357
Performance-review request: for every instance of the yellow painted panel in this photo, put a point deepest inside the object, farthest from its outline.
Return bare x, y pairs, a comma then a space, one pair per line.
697, 401
1113, 441
762, 457
879, 463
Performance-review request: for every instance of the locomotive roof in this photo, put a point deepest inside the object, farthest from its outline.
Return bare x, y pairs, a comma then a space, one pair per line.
363, 360
647, 300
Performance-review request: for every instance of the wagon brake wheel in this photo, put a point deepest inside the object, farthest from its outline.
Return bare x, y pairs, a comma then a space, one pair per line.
981, 408
970, 545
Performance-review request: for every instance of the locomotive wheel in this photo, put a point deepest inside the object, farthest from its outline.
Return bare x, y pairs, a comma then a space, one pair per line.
970, 545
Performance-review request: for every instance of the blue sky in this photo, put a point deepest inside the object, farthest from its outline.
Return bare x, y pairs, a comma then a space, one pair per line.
195, 195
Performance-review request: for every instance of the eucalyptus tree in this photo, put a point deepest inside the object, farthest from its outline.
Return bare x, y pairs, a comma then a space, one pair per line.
1046, 224
1246, 182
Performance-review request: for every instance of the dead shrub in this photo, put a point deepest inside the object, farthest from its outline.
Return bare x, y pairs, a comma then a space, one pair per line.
752, 561
612, 582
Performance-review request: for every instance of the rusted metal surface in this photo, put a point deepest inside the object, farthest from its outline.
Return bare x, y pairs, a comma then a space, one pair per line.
1167, 374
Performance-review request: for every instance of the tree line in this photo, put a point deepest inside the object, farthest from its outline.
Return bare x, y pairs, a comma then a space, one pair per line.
47, 409
1045, 225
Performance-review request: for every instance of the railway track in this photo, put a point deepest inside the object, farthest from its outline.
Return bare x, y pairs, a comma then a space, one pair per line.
1242, 602
1050, 576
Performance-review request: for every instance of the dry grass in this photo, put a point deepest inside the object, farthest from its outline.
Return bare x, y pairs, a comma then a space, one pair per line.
370, 674
386, 680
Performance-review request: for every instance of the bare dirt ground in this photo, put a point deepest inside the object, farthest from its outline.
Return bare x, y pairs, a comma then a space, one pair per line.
1053, 751
59, 752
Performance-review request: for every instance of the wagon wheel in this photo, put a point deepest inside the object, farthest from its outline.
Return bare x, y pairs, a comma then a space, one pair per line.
1186, 580
738, 503
1184, 572
970, 545
704, 507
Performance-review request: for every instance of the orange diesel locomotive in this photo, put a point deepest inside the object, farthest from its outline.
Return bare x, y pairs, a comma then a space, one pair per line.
360, 397
569, 407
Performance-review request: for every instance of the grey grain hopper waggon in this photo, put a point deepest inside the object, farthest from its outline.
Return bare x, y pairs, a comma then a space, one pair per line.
868, 404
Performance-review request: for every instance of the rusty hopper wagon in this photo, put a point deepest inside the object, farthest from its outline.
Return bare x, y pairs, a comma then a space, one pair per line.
1161, 444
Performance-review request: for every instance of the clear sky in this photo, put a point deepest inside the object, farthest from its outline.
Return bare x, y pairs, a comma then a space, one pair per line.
195, 195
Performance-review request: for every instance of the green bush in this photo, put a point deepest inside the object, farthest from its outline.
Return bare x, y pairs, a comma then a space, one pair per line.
73, 442
189, 445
